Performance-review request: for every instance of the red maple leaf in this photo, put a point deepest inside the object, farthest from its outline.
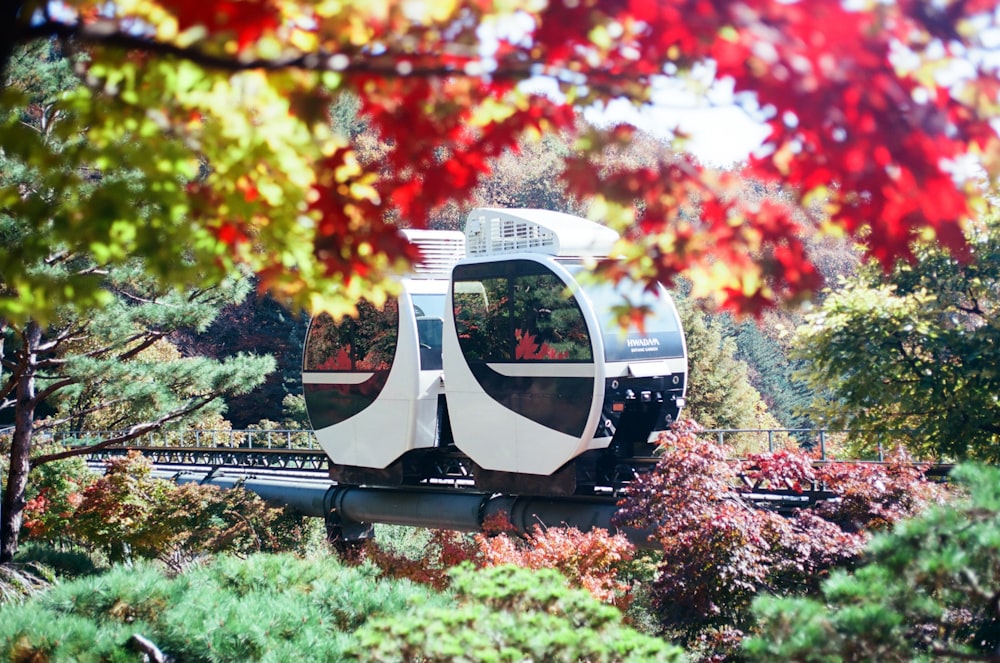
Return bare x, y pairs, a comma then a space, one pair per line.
248, 20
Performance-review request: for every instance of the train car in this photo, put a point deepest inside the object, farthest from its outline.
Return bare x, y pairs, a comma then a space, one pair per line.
372, 382
508, 369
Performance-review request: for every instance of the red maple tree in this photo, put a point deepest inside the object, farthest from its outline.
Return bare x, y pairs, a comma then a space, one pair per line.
720, 549
862, 133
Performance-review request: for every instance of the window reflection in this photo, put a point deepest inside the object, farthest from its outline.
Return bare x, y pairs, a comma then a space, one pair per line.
364, 343
482, 318
548, 322
527, 316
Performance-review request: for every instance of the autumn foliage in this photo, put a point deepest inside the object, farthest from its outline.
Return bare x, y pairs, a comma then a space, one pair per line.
591, 560
721, 547
129, 514
864, 131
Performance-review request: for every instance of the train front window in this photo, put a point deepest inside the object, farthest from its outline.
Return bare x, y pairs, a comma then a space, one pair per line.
517, 310
661, 337
482, 318
548, 322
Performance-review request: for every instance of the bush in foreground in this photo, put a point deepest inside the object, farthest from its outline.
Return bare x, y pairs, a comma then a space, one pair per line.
282, 608
928, 590
508, 613
264, 608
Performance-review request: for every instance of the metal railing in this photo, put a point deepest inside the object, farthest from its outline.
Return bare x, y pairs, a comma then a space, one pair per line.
818, 439
233, 439
754, 440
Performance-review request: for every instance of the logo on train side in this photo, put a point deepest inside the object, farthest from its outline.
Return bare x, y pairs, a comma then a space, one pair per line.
644, 344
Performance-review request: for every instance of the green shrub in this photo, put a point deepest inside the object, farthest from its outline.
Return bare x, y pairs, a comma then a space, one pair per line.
927, 589
263, 608
19, 582
64, 562
508, 613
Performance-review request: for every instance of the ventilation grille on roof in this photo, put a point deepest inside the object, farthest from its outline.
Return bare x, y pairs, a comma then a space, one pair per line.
441, 249
493, 231
509, 235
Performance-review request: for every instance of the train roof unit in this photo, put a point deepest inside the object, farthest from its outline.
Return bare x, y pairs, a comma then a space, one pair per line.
439, 250
493, 232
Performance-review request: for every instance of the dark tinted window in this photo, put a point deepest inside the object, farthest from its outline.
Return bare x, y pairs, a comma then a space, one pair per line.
517, 310
482, 318
364, 343
548, 322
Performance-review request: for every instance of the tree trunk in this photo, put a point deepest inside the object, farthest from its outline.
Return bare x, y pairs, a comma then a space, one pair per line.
12, 512
10, 21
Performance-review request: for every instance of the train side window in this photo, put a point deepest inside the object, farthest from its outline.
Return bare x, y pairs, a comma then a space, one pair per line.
482, 318
429, 310
548, 322
365, 343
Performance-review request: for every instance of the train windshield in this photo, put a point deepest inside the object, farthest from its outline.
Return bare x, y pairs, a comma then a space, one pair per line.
661, 337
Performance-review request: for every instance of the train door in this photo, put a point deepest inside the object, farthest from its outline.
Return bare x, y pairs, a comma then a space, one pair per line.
356, 384
519, 360
372, 383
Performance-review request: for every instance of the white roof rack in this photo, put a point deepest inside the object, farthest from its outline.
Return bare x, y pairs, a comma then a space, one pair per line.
441, 249
491, 231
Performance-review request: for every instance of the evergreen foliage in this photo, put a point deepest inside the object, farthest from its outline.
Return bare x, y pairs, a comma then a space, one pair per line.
263, 608
85, 335
259, 326
64, 560
773, 374
927, 590
719, 392
280, 608
19, 582
508, 613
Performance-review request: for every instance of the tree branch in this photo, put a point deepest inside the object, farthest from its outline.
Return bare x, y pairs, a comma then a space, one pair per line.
9, 385
106, 33
145, 339
511, 70
132, 433
82, 412
151, 338
54, 387
146, 647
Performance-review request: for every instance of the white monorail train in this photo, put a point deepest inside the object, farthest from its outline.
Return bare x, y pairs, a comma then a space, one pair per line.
501, 365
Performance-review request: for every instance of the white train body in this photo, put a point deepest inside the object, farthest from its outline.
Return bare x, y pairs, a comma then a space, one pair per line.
507, 353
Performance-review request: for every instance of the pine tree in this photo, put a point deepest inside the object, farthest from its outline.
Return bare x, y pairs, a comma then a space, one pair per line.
773, 374
719, 393
112, 370
257, 325
101, 360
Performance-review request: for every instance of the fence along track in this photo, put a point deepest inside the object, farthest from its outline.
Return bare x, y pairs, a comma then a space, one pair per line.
234, 454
